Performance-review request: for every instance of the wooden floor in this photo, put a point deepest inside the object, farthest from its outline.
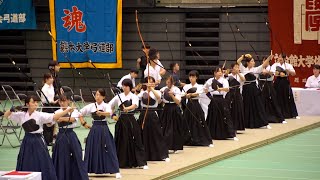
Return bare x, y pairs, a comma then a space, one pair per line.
195, 157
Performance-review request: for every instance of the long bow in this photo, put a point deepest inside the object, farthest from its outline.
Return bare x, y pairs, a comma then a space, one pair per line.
234, 36
147, 55
272, 34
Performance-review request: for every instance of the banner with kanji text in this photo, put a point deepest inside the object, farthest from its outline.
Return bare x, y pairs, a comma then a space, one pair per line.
85, 31
295, 26
17, 14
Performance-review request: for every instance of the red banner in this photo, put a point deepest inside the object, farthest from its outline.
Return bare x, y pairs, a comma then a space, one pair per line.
295, 31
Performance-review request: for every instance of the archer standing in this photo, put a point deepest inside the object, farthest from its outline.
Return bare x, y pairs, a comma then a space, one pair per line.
142, 61
33, 154
254, 110
130, 149
67, 151
174, 126
153, 139
269, 96
282, 86
236, 80
194, 115
100, 155
219, 117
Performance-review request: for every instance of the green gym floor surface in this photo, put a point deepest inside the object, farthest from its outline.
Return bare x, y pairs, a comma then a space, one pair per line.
297, 157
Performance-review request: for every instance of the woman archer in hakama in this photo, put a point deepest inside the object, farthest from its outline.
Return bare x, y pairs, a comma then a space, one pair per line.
282, 86
219, 117
254, 110
130, 149
100, 153
33, 154
269, 96
174, 127
153, 140
67, 150
234, 96
194, 115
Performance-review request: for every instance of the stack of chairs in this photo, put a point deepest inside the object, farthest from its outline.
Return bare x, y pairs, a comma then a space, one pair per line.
9, 128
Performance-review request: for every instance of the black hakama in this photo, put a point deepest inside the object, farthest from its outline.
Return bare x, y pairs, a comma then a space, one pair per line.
67, 156
194, 115
130, 149
219, 119
48, 130
234, 97
254, 111
174, 127
270, 102
100, 154
34, 156
285, 97
153, 140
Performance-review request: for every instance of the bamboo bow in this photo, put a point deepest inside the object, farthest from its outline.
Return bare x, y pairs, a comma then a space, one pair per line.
147, 55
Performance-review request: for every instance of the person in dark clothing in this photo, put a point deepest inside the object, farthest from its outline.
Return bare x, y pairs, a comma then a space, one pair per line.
54, 69
175, 74
142, 61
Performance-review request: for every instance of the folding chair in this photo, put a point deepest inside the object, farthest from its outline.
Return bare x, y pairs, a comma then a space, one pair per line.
12, 96
38, 92
15, 100
74, 97
7, 129
81, 95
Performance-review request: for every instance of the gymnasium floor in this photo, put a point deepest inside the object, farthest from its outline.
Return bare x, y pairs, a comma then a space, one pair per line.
295, 158
292, 158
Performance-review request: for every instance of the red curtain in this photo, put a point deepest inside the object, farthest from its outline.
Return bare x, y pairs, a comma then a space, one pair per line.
287, 17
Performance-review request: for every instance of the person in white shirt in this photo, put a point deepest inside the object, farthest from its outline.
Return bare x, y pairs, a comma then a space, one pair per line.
269, 96
249, 66
132, 76
288, 68
100, 155
153, 69
153, 139
130, 149
194, 115
33, 153
236, 80
47, 98
219, 117
174, 127
47, 94
314, 80
67, 151
159, 66
237, 75
254, 110
285, 97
